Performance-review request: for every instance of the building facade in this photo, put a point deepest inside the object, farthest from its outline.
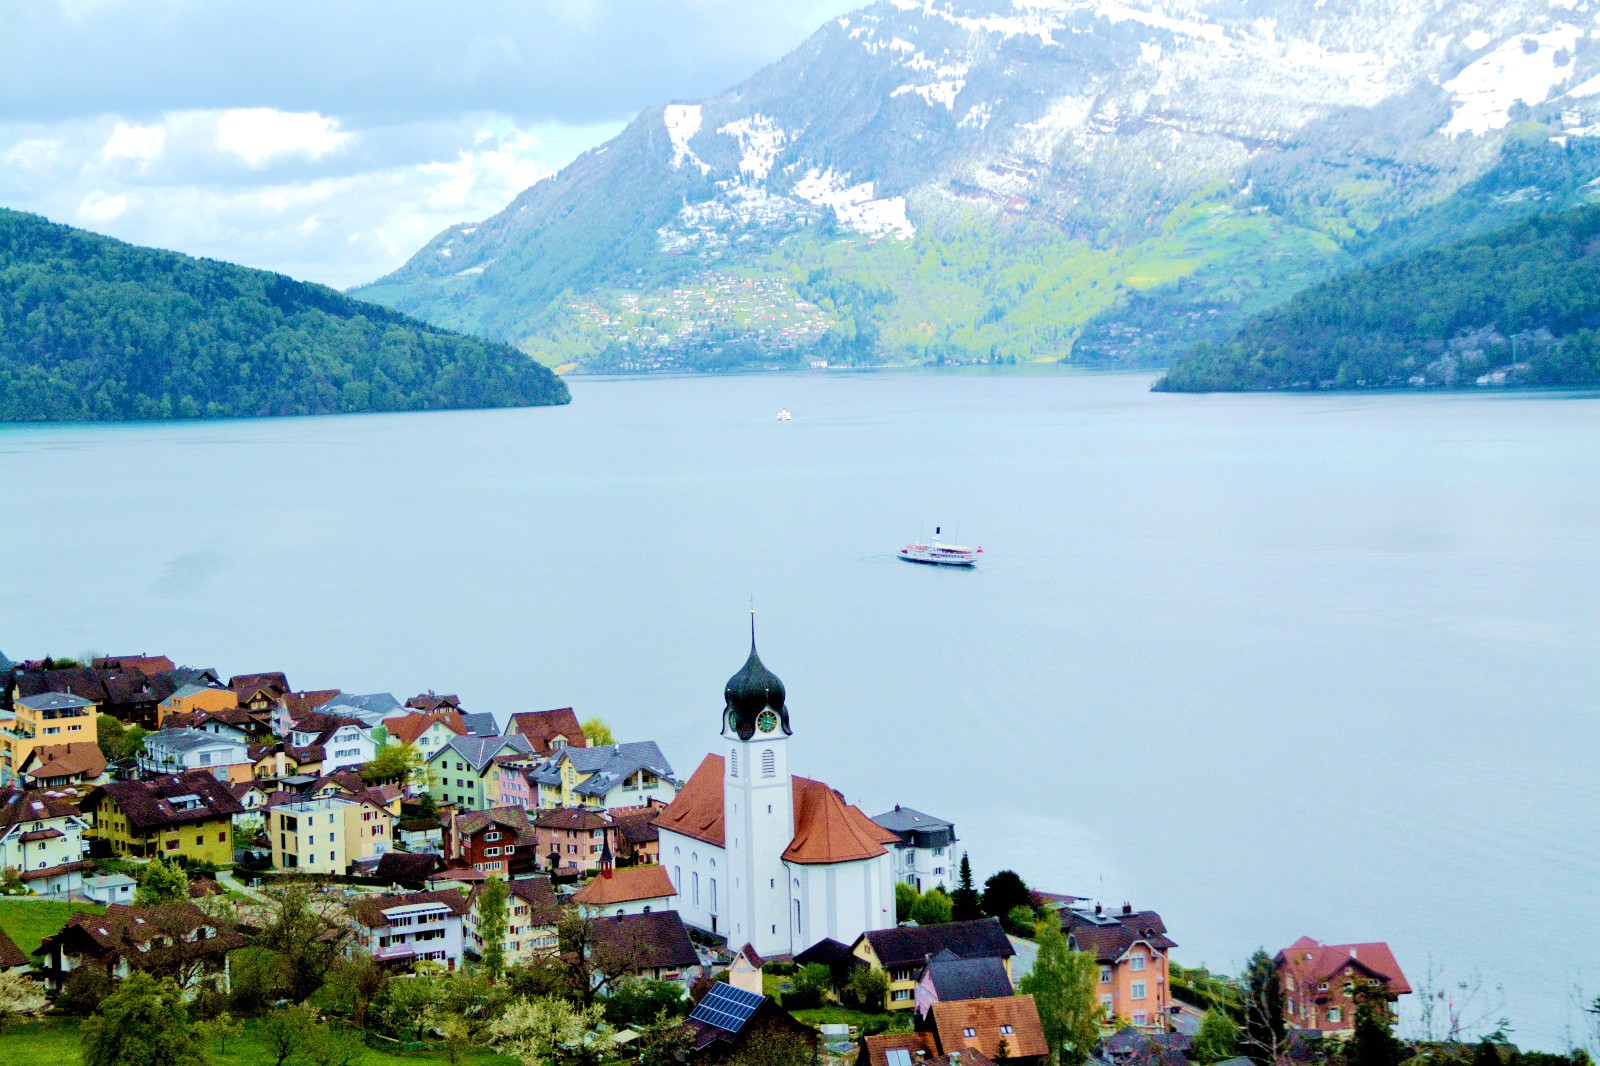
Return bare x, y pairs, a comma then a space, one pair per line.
43, 839
925, 856
49, 718
1131, 948
414, 927
1324, 983
327, 834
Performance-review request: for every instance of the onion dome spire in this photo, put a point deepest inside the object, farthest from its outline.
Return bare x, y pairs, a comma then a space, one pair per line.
751, 691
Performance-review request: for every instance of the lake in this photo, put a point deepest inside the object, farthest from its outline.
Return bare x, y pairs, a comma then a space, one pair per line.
1271, 665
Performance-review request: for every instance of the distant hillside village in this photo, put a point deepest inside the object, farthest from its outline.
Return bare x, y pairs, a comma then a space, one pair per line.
324, 871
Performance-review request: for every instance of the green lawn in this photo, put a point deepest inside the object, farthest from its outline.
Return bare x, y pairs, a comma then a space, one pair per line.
28, 921
54, 1042
833, 1014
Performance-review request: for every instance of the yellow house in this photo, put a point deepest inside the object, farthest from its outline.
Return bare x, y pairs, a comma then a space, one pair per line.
327, 834
187, 815
903, 952
49, 718
192, 699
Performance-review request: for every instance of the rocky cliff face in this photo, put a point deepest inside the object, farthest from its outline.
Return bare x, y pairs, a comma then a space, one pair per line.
951, 180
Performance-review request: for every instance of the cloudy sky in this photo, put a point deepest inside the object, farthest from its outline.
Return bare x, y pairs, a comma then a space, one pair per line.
329, 139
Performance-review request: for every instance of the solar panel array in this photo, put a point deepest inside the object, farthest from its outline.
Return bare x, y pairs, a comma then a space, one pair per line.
726, 1007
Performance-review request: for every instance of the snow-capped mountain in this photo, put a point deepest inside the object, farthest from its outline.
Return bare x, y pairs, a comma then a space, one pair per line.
948, 178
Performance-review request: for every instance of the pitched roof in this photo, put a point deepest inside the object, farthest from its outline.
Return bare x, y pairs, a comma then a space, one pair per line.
626, 885
541, 727
303, 703
913, 1044
186, 740
52, 701
905, 819
369, 910
408, 727
77, 758
513, 818
479, 751
576, 818
431, 701
11, 956
537, 893
1134, 1047
638, 827
122, 929
138, 664
830, 953
480, 724
1326, 960
610, 765
17, 806
628, 943
407, 866
987, 1017
1110, 934
957, 978
149, 804
913, 945
826, 830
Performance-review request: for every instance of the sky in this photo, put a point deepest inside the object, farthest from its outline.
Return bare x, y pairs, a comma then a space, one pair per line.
330, 140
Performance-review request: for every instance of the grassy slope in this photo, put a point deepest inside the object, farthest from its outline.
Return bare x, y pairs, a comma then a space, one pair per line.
28, 921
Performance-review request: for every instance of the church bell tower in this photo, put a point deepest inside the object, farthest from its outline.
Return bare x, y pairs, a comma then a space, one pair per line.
758, 808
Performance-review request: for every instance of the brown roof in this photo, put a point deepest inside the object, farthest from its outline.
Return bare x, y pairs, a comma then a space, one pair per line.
11, 956
512, 817
79, 758
627, 885
912, 945
543, 907
369, 909
575, 818
986, 1018
541, 727
431, 701
628, 943
407, 866
639, 827
407, 728
826, 828
122, 929
1110, 937
148, 804
136, 664
1326, 960
17, 806
878, 1047
301, 704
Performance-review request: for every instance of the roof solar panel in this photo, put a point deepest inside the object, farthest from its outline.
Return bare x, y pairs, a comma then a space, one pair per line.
726, 1007
899, 1056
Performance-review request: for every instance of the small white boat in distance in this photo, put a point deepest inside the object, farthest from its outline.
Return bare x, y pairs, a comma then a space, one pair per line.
937, 554
784, 415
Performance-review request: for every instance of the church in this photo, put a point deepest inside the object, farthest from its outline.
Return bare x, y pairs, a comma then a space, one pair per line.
764, 858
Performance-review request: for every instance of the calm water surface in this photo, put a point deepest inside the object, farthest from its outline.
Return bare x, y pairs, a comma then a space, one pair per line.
1271, 665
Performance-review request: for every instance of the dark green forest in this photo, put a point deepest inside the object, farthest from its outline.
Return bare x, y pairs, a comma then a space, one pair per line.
95, 329
1519, 306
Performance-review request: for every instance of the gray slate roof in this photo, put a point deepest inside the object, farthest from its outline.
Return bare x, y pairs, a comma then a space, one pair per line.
477, 751
53, 701
179, 740
369, 709
610, 765
955, 978
481, 724
904, 819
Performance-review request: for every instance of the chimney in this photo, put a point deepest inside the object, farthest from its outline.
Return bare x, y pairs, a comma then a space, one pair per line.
1127, 908
897, 808
1097, 908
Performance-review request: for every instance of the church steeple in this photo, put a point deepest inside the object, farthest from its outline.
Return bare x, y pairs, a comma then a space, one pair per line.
750, 693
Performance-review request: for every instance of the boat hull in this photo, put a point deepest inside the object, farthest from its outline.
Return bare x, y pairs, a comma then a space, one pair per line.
931, 559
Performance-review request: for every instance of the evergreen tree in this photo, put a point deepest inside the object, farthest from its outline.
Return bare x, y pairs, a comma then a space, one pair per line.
1373, 1042
1064, 985
1265, 1033
492, 924
965, 904
143, 1023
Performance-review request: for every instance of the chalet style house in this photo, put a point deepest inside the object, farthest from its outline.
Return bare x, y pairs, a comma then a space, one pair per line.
42, 837
966, 1031
1131, 947
174, 940
188, 815
548, 731
415, 927
1324, 983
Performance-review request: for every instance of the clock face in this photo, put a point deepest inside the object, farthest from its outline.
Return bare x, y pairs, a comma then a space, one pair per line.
766, 721
733, 720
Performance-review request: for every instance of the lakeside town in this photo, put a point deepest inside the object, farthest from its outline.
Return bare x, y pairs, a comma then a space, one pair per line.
205, 863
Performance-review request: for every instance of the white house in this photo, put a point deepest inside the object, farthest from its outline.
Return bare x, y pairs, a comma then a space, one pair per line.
41, 837
766, 859
417, 926
629, 890
342, 743
924, 856
176, 751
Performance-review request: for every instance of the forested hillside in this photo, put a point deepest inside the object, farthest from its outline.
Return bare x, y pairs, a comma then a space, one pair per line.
1517, 306
95, 329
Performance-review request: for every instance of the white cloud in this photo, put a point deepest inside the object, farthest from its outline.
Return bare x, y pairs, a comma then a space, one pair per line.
35, 153
143, 144
99, 207
259, 135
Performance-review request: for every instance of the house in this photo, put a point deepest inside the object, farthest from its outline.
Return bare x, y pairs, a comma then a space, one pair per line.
654, 946
327, 834
176, 751
334, 743
964, 1031
629, 890
947, 977
399, 930
1131, 947
498, 840
725, 1019
252, 797
425, 732
584, 839
260, 692
371, 707
464, 772
481, 724
616, 775
433, 703
59, 765
127, 695
177, 940
533, 917
764, 857
745, 970
186, 815
195, 699
925, 857
903, 952
43, 838
278, 762
12, 960
107, 889
48, 718
1323, 983
638, 839
548, 731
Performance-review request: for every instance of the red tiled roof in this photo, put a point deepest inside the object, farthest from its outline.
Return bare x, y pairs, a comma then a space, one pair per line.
73, 759
878, 1047
407, 728
136, 664
627, 885
1326, 960
541, 727
697, 809
11, 956
986, 1017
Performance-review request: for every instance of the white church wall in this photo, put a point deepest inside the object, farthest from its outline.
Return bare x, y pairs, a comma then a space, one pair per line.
699, 875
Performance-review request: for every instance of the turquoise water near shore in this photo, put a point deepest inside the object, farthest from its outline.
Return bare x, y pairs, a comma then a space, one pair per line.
1272, 665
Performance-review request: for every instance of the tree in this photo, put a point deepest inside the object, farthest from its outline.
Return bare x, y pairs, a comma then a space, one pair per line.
86, 988
409, 1005
598, 733
399, 763
931, 908
905, 897
11, 883
143, 1023
305, 936
354, 984
663, 1042
774, 1047
285, 1031
1021, 921
637, 1001
868, 989
161, 882
811, 984
1216, 1040
332, 1045
20, 997
492, 919
1265, 1031
1373, 1042
1004, 891
221, 1027
965, 903
1064, 984
543, 1032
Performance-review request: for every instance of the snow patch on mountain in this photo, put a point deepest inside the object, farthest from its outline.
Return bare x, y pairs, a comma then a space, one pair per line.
761, 141
683, 122
1520, 70
855, 206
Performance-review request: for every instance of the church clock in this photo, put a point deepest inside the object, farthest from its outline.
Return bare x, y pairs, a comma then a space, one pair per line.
766, 721
733, 720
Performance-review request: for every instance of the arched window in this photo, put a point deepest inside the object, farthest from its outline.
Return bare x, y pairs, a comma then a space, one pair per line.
769, 763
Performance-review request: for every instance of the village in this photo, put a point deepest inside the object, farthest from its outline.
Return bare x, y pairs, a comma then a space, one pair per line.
334, 874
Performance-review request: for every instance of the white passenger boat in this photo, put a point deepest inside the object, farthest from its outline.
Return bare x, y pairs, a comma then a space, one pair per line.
937, 554
784, 415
